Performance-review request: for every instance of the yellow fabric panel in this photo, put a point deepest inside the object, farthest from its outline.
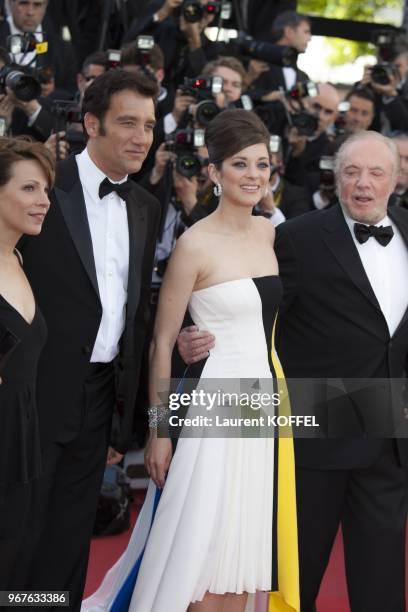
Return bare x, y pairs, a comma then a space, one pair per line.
287, 545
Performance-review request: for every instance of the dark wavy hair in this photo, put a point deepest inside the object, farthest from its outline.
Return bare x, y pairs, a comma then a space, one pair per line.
98, 95
234, 130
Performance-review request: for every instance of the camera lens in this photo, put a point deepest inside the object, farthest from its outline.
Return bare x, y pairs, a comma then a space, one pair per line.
188, 165
24, 86
205, 112
192, 11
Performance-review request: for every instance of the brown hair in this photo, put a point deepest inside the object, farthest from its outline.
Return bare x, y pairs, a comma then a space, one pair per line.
130, 56
13, 150
234, 130
98, 95
226, 62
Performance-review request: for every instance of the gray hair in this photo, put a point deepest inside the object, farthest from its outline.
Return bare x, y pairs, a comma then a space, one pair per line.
365, 135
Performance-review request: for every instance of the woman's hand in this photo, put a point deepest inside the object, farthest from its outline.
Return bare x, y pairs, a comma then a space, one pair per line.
157, 459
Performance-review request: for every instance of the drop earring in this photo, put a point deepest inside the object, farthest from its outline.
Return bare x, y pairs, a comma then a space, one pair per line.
217, 190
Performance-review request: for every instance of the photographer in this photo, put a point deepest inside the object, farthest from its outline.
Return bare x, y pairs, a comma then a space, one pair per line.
21, 110
305, 151
400, 195
186, 48
29, 17
283, 197
289, 29
93, 66
233, 74
391, 111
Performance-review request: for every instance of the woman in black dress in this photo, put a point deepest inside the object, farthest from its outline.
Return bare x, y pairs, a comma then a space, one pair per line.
26, 175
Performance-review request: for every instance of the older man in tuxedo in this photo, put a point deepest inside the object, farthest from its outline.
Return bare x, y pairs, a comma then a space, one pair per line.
91, 274
345, 317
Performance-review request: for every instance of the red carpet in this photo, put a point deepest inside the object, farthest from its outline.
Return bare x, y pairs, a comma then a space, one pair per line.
105, 551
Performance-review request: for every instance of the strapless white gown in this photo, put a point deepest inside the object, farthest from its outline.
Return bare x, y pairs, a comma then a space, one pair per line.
213, 527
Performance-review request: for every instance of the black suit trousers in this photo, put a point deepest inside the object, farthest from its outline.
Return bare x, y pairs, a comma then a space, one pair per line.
371, 506
67, 494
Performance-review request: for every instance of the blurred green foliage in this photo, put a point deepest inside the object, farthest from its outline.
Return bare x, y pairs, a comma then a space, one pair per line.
341, 51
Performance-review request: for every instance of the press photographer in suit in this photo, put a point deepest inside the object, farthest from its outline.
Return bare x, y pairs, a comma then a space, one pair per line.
91, 273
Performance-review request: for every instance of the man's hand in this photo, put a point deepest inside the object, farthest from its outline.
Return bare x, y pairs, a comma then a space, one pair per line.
167, 9
113, 457
57, 140
194, 345
267, 204
255, 69
192, 32
6, 108
157, 459
186, 190
181, 104
273, 96
162, 157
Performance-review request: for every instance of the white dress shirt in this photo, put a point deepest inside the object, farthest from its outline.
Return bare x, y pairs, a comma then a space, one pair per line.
110, 241
387, 270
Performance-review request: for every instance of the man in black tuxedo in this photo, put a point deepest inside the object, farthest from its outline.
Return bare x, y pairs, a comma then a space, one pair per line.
345, 317
91, 274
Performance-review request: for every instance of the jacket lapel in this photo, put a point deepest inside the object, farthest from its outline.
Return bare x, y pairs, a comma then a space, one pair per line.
339, 241
70, 198
400, 218
137, 237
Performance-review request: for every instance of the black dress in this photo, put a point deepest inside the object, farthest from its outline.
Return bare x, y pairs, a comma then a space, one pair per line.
20, 458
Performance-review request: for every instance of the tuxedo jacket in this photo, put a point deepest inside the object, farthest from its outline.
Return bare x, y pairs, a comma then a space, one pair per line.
331, 327
60, 266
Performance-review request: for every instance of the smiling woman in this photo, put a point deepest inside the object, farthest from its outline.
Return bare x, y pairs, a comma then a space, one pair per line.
26, 175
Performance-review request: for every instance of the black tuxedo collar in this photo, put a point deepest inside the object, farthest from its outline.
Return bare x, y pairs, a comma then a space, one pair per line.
340, 242
70, 197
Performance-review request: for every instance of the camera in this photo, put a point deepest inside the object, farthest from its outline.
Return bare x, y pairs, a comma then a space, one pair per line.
340, 122
68, 113
306, 123
203, 89
22, 83
114, 58
184, 144
279, 55
385, 41
302, 90
275, 143
193, 10
25, 43
144, 46
383, 73
326, 168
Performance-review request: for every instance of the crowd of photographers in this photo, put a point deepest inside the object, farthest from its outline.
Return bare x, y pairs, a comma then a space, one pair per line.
41, 90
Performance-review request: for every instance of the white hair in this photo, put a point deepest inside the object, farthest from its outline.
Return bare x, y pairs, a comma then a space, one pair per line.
361, 136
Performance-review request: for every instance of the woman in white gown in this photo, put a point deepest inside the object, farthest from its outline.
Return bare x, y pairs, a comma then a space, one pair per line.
219, 520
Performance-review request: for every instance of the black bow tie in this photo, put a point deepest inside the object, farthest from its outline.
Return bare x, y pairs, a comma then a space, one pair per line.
122, 189
382, 234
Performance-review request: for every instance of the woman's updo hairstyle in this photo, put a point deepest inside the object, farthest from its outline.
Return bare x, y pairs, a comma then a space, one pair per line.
231, 131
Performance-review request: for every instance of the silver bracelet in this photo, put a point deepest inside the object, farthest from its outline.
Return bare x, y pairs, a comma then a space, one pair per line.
157, 416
